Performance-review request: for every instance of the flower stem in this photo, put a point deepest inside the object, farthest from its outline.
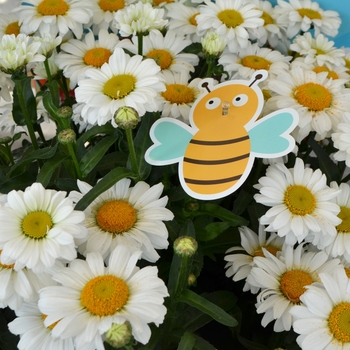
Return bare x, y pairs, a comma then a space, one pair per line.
132, 154
72, 154
140, 43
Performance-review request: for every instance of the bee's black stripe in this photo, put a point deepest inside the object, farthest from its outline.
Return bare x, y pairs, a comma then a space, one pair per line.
212, 182
217, 161
219, 143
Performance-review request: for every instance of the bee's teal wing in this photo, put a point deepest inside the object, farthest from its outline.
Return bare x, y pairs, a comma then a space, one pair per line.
269, 136
170, 138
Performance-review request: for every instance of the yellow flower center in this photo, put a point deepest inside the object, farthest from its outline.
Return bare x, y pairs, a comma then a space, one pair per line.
293, 284
312, 14
256, 62
266, 94
4, 266
162, 58
267, 18
347, 271
13, 28
313, 96
37, 224
119, 86
344, 226
270, 248
331, 73
158, 2
339, 322
97, 57
116, 216
51, 325
299, 200
347, 65
178, 93
319, 51
53, 7
193, 20
231, 18
111, 5
104, 295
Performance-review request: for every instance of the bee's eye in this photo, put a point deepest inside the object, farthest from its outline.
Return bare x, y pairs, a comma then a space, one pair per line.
240, 100
213, 103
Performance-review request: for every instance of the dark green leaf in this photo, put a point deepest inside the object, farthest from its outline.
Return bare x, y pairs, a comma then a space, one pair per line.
211, 231
202, 344
112, 160
95, 154
67, 184
204, 305
50, 167
187, 341
23, 92
193, 319
18, 182
4, 154
103, 185
220, 244
327, 166
44, 153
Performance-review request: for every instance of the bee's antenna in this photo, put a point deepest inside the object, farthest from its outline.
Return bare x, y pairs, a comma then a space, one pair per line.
257, 77
205, 85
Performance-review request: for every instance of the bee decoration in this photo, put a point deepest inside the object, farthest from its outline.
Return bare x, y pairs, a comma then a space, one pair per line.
217, 151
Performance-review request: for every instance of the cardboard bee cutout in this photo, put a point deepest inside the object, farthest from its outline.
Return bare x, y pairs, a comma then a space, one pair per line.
216, 153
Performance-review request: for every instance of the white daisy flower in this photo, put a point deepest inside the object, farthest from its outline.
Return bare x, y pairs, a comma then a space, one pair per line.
7, 123
48, 43
78, 120
166, 50
302, 15
341, 139
132, 216
17, 51
76, 56
39, 226
34, 335
271, 32
6, 86
123, 81
284, 279
179, 96
182, 18
322, 319
319, 101
300, 202
334, 71
54, 17
9, 24
252, 58
340, 244
104, 11
40, 69
20, 285
318, 49
239, 265
232, 19
93, 297
139, 19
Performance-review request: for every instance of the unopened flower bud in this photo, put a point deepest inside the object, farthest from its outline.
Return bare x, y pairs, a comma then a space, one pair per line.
192, 206
119, 335
185, 246
65, 112
66, 136
191, 279
213, 44
126, 118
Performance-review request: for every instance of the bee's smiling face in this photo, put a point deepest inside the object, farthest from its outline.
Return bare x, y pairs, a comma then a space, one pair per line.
236, 103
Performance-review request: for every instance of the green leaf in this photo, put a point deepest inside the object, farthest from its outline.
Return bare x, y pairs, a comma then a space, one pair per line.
142, 142
221, 213
204, 305
193, 319
44, 153
202, 344
4, 154
50, 167
91, 158
103, 185
187, 341
18, 182
211, 231
327, 166
23, 89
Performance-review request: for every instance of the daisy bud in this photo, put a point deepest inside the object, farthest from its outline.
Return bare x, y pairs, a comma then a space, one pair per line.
66, 136
191, 279
126, 118
119, 335
192, 206
65, 112
213, 44
185, 246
